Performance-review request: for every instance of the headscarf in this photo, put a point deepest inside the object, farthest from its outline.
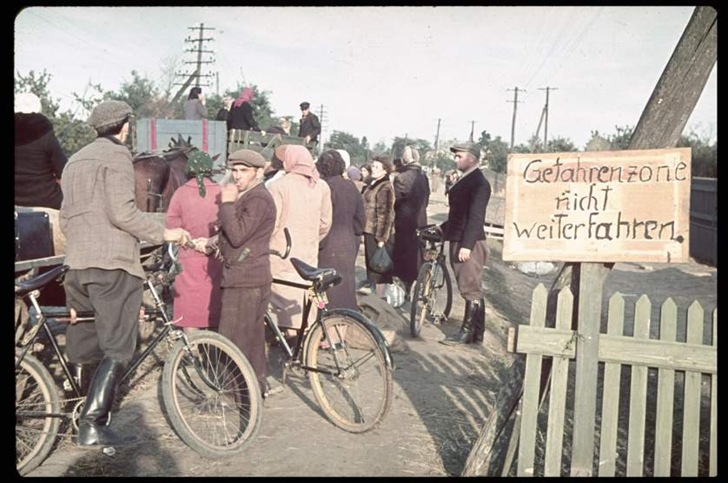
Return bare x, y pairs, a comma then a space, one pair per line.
353, 173
410, 155
246, 95
345, 157
199, 166
27, 103
297, 159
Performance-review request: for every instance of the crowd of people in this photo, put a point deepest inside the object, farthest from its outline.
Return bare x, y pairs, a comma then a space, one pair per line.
239, 114
225, 232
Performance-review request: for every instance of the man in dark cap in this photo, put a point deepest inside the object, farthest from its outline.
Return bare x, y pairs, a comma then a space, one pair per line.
103, 227
309, 127
247, 217
468, 199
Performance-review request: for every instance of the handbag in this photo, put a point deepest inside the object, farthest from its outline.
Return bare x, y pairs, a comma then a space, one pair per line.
381, 262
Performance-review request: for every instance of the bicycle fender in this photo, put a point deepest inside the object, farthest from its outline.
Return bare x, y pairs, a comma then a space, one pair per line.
373, 329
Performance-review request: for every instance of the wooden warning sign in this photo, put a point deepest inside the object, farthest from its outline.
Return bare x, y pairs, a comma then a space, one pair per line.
599, 206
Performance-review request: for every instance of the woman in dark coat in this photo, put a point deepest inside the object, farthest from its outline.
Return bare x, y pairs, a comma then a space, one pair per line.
341, 245
241, 112
411, 195
39, 159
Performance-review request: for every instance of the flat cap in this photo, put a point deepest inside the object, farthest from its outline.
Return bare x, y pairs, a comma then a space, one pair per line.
109, 113
247, 157
304, 105
468, 147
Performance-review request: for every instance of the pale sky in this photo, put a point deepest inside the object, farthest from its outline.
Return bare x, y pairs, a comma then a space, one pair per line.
382, 72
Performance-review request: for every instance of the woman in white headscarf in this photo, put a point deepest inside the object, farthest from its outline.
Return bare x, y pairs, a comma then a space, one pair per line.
303, 205
411, 195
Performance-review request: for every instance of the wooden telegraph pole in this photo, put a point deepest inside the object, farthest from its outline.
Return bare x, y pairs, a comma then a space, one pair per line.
660, 126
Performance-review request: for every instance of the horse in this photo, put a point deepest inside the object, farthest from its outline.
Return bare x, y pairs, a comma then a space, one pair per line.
157, 176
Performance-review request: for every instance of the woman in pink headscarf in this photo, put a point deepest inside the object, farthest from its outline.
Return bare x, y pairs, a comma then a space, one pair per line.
303, 205
241, 112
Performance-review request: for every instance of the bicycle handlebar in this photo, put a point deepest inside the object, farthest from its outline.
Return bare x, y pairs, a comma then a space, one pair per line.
285, 254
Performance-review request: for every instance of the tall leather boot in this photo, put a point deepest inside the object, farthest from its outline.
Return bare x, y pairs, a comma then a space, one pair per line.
92, 429
479, 323
81, 374
465, 335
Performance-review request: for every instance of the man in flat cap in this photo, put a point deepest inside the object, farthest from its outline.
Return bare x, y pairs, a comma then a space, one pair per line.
247, 217
103, 228
468, 199
309, 127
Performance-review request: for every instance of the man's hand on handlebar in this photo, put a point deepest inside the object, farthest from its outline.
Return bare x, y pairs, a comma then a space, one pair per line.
179, 236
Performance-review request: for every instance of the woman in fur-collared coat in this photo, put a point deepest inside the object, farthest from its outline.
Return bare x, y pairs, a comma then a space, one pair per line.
379, 212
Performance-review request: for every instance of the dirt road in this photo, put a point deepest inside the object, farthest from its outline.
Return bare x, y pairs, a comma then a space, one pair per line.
443, 395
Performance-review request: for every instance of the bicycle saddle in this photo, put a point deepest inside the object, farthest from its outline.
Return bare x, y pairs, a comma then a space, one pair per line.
22, 288
324, 276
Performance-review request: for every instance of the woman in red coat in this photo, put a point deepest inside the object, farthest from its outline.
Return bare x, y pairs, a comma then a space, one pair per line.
194, 207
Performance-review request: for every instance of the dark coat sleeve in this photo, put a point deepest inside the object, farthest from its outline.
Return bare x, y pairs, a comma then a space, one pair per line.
248, 115
359, 216
480, 196
55, 154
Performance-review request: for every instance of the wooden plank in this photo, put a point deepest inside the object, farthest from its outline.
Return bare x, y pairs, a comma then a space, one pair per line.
713, 471
665, 395
591, 288
610, 398
691, 408
558, 393
621, 349
531, 386
655, 353
480, 461
546, 341
638, 394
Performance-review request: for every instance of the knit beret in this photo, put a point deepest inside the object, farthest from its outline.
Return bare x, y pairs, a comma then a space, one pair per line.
109, 113
246, 157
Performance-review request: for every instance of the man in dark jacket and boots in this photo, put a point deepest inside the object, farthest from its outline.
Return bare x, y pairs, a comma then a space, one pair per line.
103, 227
468, 199
309, 127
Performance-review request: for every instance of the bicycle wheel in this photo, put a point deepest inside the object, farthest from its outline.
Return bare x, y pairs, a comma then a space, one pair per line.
431, 296
348, 373
211, 395
36, 413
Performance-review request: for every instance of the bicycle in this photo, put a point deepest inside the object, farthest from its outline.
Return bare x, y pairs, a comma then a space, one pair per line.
428, 296
209, 389
345, 356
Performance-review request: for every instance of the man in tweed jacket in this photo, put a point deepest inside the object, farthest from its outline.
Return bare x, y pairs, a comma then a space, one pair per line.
103, 228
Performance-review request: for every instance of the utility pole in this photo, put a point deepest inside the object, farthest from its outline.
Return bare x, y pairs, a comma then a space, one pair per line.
546, 115
472, 129
322, 119
437, 142
513, 123
196, 74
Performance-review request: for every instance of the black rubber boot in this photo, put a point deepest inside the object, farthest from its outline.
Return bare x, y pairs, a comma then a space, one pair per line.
82, 375
479, 323
92, 429
465, 335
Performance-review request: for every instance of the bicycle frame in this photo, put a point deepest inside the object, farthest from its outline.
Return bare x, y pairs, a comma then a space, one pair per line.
295, 354
42, 324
